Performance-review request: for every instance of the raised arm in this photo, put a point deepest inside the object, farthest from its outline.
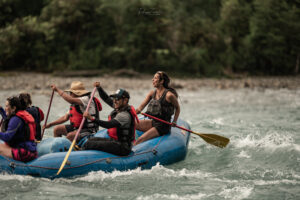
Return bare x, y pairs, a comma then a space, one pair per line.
144, 102
66, 97
103, 95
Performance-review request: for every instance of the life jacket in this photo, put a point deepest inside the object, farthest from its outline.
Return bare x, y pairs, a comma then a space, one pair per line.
124, 135
160, 107
35, 112
76, 115
29, 128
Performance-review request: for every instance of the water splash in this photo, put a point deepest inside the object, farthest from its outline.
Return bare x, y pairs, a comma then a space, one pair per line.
237, 193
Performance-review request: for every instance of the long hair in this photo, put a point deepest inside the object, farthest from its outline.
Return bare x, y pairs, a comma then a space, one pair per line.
25, 99
165, 77
15, 102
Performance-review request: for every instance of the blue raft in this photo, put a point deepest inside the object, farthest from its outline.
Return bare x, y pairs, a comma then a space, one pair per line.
165, 150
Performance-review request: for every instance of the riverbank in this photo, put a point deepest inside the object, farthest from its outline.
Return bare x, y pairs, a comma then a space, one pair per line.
40, 83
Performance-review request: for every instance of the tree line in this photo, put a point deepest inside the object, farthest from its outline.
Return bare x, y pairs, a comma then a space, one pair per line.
195, 37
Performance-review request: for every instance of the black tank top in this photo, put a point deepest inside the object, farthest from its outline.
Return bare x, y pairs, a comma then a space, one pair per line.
160, 108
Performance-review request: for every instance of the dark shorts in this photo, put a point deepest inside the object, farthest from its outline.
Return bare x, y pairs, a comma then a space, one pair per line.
23, 155
108, 145
161, 127
69, 128
83, 132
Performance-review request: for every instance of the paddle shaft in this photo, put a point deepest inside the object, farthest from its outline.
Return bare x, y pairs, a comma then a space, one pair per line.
47, 113
166, 122
77, 133
213, 139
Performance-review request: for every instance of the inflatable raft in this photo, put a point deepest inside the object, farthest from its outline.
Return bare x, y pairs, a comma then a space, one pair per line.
165, 150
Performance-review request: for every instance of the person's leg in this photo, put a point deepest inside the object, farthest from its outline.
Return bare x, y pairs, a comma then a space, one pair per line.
60, 130
23, 155
144, 125
106, 145
151, 133
71, 135
5, 150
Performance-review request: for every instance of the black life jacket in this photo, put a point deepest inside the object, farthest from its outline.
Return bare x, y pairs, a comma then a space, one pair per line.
124, 135
28, 127
160, 108
35, 112
76, 116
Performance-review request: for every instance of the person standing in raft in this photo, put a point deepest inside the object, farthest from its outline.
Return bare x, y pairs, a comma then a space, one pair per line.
162, 103
120, 124
36, 113
18, 132
78, 97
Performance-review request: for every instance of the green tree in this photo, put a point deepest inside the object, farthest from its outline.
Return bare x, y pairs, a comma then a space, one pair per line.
273, 44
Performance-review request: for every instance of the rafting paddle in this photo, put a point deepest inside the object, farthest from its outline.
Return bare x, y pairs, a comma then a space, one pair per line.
213, 139
47, 114
77, 133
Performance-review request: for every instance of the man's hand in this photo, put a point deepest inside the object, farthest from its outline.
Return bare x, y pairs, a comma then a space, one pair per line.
47, 126
97, 84
138, 111
88, 116
53, 86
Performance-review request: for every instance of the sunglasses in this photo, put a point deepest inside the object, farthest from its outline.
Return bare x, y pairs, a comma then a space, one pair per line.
117, 98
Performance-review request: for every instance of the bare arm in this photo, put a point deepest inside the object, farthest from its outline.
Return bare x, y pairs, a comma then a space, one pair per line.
66, 97
171, 98
58, 121
144, 102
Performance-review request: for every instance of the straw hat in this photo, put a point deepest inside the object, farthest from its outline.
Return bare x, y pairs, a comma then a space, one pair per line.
77, 88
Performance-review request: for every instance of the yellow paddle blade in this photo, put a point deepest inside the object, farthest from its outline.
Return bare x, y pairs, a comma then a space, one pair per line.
66, 158
213, 139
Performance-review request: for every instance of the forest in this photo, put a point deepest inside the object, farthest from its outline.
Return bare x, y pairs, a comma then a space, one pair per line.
199, 38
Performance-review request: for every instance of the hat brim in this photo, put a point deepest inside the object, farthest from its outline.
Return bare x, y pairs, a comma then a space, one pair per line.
78, 92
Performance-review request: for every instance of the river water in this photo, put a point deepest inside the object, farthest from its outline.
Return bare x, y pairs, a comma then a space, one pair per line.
262, 160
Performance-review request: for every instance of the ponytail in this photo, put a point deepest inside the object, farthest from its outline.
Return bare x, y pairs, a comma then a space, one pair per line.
165, 77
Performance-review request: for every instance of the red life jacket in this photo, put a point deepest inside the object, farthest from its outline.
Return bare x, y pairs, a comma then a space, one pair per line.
115, 132
28, 121
76, 115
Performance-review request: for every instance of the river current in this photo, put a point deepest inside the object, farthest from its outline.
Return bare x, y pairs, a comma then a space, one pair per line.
262, 160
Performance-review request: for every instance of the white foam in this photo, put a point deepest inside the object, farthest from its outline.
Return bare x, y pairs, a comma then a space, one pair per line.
270, 141
157, 170
237, 193
243, 154
276, 182
21, 178
218, 121
172, 196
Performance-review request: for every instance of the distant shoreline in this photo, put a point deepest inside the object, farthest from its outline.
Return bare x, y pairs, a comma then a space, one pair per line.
40, 82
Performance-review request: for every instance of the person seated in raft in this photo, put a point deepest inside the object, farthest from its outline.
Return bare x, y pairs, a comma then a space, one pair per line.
78, 97
162, 103
120, 124
18, 132
36, 113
